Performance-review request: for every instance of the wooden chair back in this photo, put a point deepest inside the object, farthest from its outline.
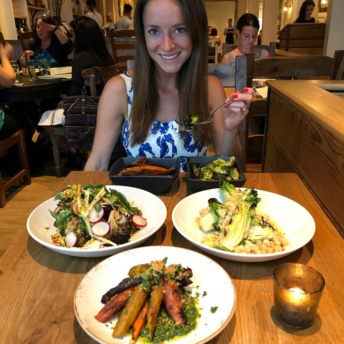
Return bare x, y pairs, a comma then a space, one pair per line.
338, 65
123, 45
98, 77
23, 175
294, 67
25, 38
303, 38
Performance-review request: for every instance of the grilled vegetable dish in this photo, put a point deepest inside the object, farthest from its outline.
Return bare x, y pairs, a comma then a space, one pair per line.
218, 169
142, 168
152, 303
236, 225
94, 214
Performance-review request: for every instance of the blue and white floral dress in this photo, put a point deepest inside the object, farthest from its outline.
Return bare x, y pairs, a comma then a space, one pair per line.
164, 140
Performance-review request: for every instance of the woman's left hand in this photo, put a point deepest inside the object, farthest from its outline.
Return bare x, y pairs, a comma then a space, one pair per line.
235, 112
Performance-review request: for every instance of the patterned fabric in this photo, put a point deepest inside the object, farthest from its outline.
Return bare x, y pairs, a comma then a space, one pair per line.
165, 140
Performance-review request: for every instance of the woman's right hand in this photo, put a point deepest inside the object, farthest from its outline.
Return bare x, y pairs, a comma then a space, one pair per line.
6, 50
28, 53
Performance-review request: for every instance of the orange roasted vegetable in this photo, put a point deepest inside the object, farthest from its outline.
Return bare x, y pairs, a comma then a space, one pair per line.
114, 305
156, 297
140, 321
143, 168
173, 301
130, 311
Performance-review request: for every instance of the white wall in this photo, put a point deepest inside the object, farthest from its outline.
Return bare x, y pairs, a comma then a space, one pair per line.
333, 35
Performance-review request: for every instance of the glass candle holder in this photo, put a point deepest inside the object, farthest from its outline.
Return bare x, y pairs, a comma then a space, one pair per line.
297, 292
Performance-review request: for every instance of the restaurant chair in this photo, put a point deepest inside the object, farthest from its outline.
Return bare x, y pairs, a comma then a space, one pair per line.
96, 78
123, 43
23, 175
338, 66
25, 38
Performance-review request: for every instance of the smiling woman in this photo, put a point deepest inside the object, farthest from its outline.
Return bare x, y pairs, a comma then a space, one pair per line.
170, 82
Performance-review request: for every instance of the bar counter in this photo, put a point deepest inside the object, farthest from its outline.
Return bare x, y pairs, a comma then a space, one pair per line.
37, 285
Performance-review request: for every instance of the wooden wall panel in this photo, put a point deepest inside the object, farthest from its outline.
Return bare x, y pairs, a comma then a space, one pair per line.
300, 138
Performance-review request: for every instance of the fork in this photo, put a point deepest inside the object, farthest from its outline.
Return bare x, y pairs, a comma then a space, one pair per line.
188, 122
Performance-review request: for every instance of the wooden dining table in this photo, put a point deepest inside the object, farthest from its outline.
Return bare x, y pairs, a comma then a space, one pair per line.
35, 89
37, 285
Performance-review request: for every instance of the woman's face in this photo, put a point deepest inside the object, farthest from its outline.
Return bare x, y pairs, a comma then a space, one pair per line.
167, 39
247, 38
309, 11
41, 29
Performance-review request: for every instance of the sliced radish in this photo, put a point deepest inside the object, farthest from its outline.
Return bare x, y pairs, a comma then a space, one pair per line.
101, 228
71, 239
139, 221
95, 216
56, 209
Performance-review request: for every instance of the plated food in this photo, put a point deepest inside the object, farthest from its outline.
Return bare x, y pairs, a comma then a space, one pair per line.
143, 167
93, 215
217, 169
235, 225
106, 220
214, 310
150, 174
152, 302
279, 215
207, 172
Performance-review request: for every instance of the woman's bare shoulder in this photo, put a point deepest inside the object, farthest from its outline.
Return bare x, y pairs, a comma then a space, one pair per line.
116, 84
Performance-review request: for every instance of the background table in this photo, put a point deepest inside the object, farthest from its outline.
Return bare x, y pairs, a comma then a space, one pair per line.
37, 285
32, 90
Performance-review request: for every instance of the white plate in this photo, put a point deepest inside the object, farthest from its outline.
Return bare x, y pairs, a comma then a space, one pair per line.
294, 220
40, 223
50, 78
111, 271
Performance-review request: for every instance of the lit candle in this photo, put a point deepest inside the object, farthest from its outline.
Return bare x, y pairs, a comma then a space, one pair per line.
297, 292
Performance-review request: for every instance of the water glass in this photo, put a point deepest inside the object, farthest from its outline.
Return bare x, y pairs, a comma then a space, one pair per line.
16, 69
32, 70
23, 65
44, 67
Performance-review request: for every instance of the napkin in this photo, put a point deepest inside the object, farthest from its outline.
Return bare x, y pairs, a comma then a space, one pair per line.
52, 117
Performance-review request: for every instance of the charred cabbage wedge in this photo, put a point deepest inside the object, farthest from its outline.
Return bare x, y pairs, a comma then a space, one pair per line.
235, 221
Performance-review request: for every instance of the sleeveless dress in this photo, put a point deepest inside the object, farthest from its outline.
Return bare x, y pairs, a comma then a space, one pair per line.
164, 139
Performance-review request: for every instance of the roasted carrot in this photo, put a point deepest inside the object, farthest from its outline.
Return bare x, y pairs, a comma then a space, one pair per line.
173, 301
114, 305
146, 170
122, 286
155, 301
140, 321
130, 311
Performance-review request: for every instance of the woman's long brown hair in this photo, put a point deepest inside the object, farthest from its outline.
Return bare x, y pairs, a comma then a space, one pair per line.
192, 79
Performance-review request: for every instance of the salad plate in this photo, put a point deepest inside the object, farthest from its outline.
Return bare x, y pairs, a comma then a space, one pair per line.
294, 220
40, 223
111, 271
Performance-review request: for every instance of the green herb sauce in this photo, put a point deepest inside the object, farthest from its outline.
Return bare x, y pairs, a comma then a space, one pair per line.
166, 328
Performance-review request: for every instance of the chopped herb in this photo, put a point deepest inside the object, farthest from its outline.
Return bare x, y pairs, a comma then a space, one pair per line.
213, 309
205, 293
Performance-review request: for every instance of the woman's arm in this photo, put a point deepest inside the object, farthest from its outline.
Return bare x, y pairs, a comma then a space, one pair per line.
225, 127
112, 109
7, 74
